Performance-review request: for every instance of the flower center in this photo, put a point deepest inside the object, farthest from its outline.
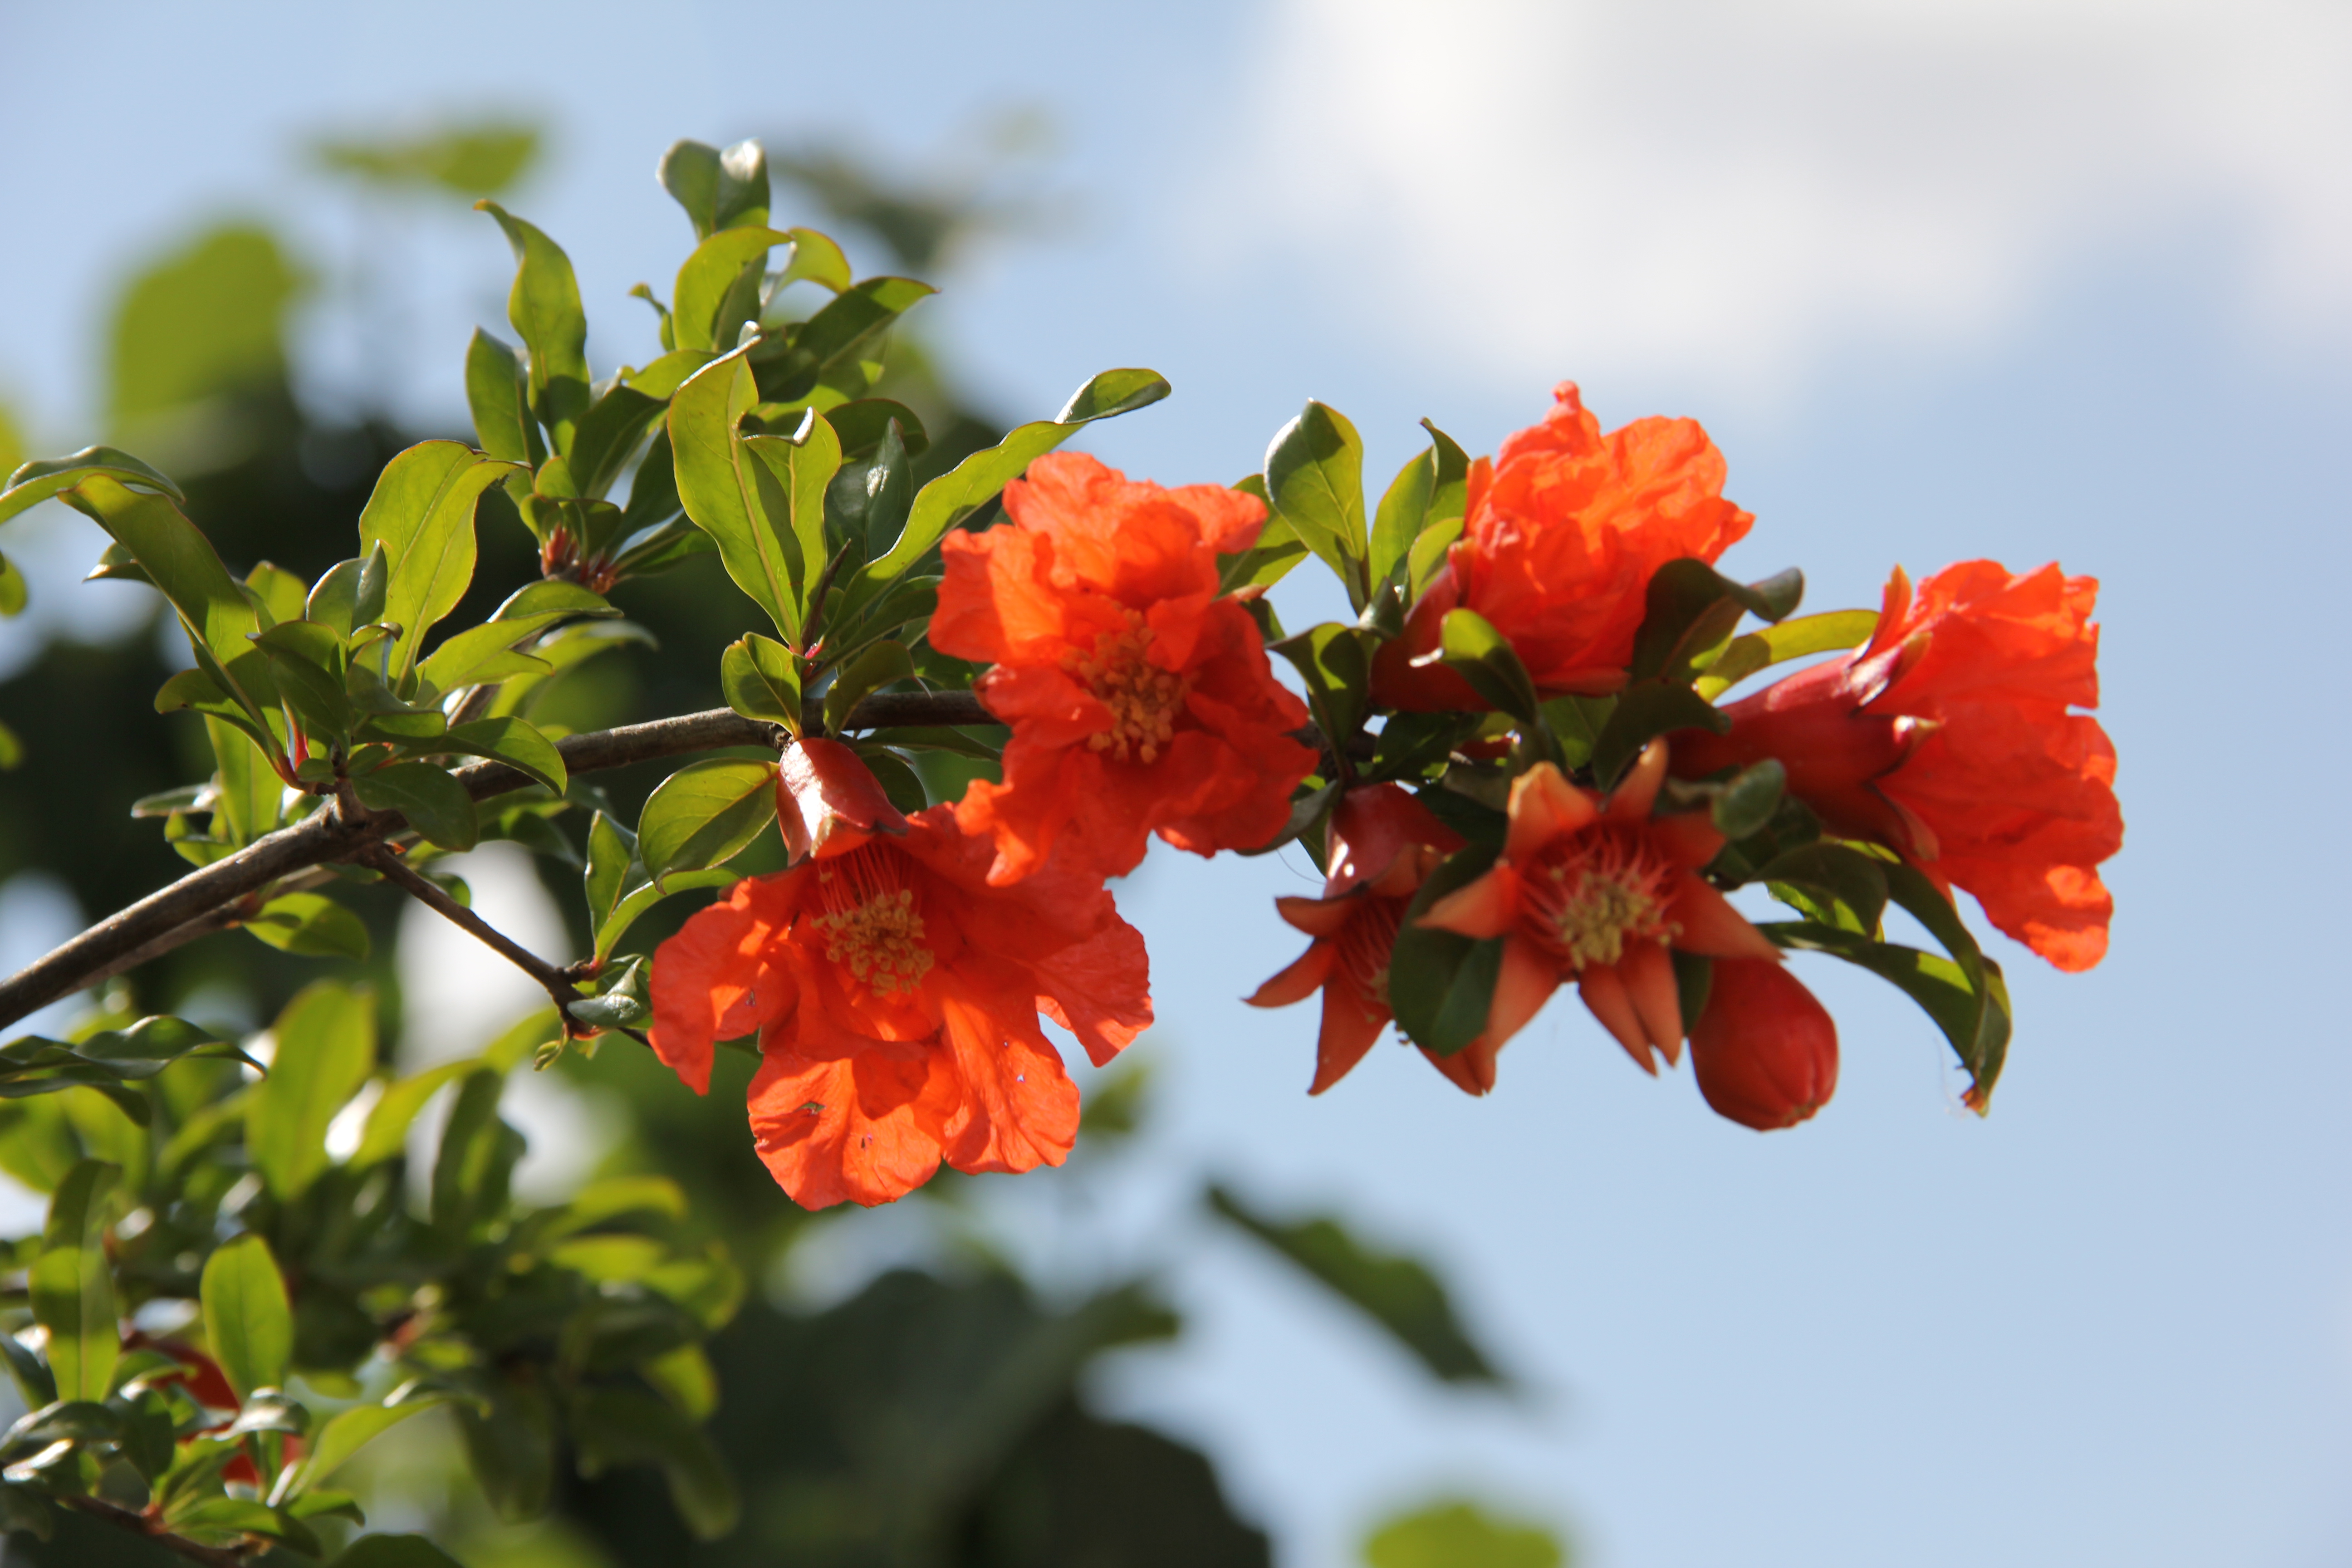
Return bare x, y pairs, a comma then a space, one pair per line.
1367, 943
870, 925
1144, 699
1603, 891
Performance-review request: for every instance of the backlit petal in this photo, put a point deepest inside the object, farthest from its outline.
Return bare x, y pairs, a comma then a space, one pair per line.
1604, 994
1649, 977
1483, 907
1710, 926
1544, 806
1300, 980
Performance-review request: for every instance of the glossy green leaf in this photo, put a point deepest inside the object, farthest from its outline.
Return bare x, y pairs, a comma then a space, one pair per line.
875, 667
705, 814
704, 281
1473, 648
719, 482
530, 610
1315, 478
306, 661
1401, 1294
972, 484
422, 513
1975, 1021
246, 791
181, 562
1270, 558
761, 679
801, 466
1404, 508
309, 924
815, 258
497, 390
1690, 609
1338, 668
1987, 1047
1461, 1535
37, 482
511, 740
325, 1051
248, 1322
71, 1283
341, 1438
862, 423
435, 805
1794, 639
1441, 983
1646, 710
1832, 883
545, 306
634, 904
867, 504
717, 190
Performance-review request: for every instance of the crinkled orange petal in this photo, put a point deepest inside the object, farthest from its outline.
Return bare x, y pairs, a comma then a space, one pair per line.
1020, 1108
721, 976
866, 1129
1300, 980
1100, 989
996, 600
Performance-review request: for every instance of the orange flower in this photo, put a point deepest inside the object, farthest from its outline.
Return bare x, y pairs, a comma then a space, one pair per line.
1562, 537
897, 999
1141, 700
1599, 892
1949, 738
1383, 845
1764, 1050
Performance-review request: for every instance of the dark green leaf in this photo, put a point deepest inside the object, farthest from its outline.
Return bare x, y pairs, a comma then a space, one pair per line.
1690, 611
1441, 983
862, 423
719, 483
326, 1049
717, 190
511, 740
226, 1517
435, 805
1646, 710
476, 1160
1976, 1022
1337, 666
396, 1109
634, 904
1401, 1294
345, 1435
705, 814
834, 337
622, 1427
1748, 799
877, 665
1473, 648
1832, 883
761, 679
393, 1552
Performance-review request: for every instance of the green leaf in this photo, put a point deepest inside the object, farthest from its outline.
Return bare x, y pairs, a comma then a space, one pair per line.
422, 513
1646, 710
497, 389
181, 562
719, 483
1315, 478
761, 680
621, 1002
1401, 1294
512, 741
709, 276
1832, 883
325, 1051
393, 1552
1337, 666
37, 482
717, 190
622, 1427
1691, 608
877, 665
531, 610
1987, 1046
1746, 802
226, 1517
705, 814
1759, 649
645, 896
72, 1284
972, 484
1441, 983
396, 1109
246, 791
1461, 1535
12, 750
343, 1437
477, 158
1473, 648
1976, 1021
435, 805
834, 337
863, 422
471, 1170
545, 306
309, 924
802, 467
247, 1321
1402, 510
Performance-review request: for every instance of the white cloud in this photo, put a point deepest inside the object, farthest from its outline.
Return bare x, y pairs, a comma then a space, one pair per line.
1730, 190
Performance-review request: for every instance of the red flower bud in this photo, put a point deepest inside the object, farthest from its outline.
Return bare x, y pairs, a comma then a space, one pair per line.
828, 802
1764, 1050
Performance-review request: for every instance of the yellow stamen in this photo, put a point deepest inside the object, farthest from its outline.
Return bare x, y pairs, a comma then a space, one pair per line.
1144, 699
871, 925
1604, 892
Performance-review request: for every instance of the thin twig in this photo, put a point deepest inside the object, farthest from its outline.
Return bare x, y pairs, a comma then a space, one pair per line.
168, 916
437, 899
140, 1525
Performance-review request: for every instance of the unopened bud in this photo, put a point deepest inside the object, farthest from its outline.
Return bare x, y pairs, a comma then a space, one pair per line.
1764, 1050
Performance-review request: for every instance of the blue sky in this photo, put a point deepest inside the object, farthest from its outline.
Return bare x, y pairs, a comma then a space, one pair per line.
2063, 280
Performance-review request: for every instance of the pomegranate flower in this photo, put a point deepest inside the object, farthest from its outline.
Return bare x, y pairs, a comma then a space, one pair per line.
1600, 892
1563, 534
1384, 844
898, 998
1951, 738
1141, 700
1764, 1050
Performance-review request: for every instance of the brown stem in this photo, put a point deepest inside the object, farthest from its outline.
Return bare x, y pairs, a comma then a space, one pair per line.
344, 831
141, 1525
432, 896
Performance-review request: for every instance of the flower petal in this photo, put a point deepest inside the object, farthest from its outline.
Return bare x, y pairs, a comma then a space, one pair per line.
1523, 984
1710, 926
1470, 1069
865, 1128
1637, 791
1020, 1108
1301, 980
1604, 994
1483, 907
1099, 990
723, 975
1350, 1024
1649, 976
1544, 806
